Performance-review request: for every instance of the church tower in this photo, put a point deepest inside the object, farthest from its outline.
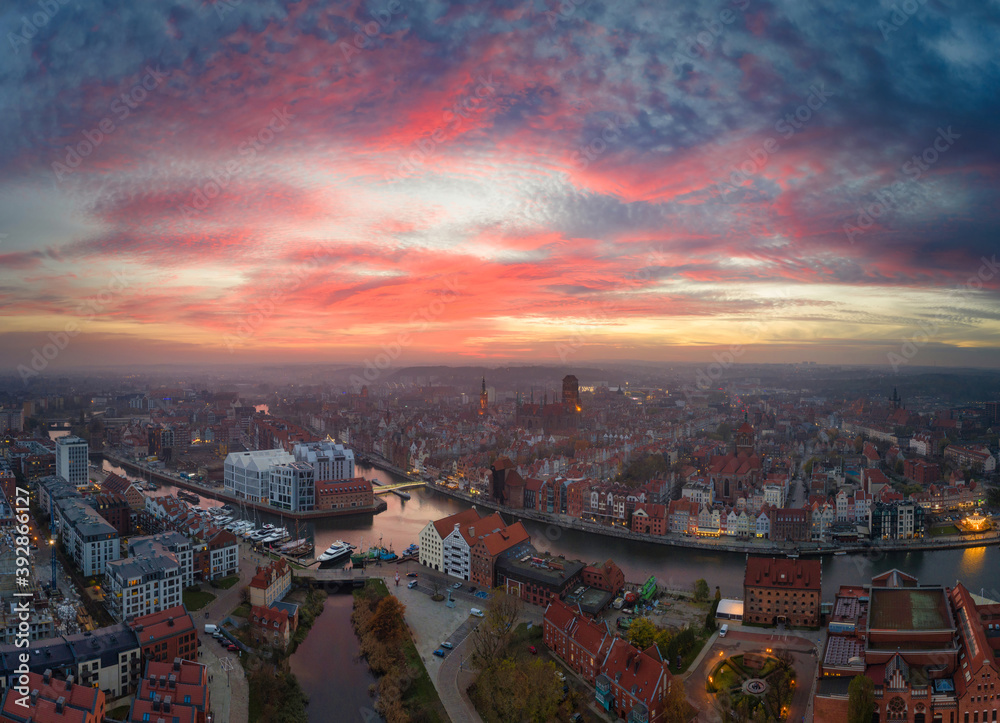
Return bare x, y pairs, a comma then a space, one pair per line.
483, 398
745, 438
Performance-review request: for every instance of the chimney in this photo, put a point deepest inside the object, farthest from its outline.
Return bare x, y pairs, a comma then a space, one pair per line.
34, 696
156, 703
177, 663
60, 704
69, 682
47, 676
170, 622
472, 531
166, 704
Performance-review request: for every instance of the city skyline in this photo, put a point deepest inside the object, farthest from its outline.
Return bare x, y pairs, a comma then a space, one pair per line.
231, 182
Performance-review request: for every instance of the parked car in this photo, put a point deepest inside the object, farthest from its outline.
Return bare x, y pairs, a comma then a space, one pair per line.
576, 718
412, 584
472, 588
439, 653
560, 676
411, 574
232, 648
447, 645
532, 649
477, 612
457, 586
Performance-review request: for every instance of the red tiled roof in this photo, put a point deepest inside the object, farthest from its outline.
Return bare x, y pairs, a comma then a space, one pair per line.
445, 525
157, 626
785, 573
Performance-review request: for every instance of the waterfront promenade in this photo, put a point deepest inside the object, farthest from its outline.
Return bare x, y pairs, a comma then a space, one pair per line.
729, 544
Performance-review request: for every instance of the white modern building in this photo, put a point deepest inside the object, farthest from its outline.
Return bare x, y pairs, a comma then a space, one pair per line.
293, 486
329, 460
90, 540
152, 579
72, 460
457, 554
432, 537
248, 474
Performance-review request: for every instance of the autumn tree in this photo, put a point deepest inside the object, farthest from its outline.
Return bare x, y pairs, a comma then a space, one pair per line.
642, 633
387, 622
675, 706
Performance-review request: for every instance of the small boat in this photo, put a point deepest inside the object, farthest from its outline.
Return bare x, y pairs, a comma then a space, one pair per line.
268, 526
841, 552
293, 544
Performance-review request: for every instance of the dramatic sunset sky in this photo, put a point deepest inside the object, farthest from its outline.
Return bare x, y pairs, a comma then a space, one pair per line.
505, 181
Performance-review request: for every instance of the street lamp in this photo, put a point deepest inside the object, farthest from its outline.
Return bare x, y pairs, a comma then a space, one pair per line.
52, 560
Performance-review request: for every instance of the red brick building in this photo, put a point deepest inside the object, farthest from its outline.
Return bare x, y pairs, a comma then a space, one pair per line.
608, 577
782, 591
921, 471
273, 625
791, 524
344, 494
175, 691
53, 701
580, 642
115, 509
166, 635
633, 683
650, 519
487, 549
121, 486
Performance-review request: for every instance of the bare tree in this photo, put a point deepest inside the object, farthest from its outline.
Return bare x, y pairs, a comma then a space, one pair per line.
490, 638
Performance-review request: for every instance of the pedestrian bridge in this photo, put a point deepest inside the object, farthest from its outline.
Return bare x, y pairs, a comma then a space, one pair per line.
320, 577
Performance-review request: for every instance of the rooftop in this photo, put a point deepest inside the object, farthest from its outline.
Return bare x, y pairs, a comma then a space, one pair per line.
915, 609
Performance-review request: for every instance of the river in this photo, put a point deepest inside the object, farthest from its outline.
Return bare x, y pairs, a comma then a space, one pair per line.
329, 669
674, 567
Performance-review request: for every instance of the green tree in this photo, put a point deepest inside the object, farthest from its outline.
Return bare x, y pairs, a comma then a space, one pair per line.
718, 593
642, 633
993, 497
700, 590
663, 637
710, 617
860, 699
808, 467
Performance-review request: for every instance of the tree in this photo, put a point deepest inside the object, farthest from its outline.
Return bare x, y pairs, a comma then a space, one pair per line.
663, 638
710, 617
860, 699
675, 705
642, 633
387, 622
700, 590
490, 638
718, 593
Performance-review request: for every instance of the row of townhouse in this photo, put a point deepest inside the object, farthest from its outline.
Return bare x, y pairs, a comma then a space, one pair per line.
628, 682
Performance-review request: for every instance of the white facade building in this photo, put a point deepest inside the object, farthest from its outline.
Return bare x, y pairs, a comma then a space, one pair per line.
72, 460
293, 486
248, 474
457, 555
90, 540
329, 460
774, 495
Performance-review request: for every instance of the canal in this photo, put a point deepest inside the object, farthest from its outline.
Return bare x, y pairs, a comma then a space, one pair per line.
330, 670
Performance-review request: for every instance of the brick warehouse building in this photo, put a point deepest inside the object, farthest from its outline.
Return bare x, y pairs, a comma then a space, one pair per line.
167, 634
782, 591
932, 652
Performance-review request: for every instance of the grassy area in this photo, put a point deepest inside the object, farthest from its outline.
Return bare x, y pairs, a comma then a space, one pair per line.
723, 678
242, 611
688, 658
946, 530
196, 599
226, 582
119, 713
